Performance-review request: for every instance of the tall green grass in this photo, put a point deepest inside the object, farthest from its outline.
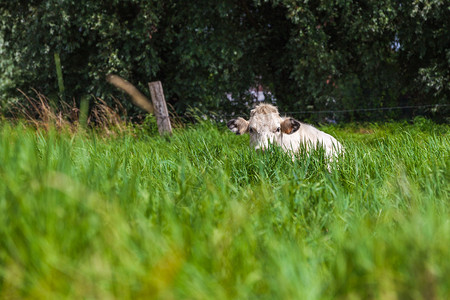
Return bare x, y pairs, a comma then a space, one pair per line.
201, 216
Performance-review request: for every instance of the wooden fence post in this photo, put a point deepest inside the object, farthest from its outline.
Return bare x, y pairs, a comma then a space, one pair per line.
160, 107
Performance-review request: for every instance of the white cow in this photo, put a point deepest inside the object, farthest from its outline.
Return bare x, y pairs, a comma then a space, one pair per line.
266, 126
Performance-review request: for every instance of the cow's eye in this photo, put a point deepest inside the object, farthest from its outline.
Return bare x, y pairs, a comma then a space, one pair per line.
251, 130
278, 129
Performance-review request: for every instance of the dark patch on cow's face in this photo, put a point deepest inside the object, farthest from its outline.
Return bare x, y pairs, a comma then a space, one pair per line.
290, 125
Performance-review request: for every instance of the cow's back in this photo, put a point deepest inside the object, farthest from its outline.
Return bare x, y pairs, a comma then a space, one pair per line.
311, 137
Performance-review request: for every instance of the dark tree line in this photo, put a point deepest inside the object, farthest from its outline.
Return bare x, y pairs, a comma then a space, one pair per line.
336, 55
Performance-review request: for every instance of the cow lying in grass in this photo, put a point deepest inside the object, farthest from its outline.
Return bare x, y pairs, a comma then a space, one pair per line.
265, 127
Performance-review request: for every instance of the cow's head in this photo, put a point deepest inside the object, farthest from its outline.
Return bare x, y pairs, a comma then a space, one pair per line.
265, 126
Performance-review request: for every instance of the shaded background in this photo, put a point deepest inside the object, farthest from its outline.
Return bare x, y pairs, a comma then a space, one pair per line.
321, 60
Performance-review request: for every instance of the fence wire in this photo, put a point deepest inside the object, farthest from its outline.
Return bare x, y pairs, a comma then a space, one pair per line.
367, 109
306, 112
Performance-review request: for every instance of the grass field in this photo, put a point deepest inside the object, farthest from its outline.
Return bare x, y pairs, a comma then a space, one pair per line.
201, 216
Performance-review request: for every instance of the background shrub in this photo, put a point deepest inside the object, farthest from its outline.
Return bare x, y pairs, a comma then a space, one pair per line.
325, 55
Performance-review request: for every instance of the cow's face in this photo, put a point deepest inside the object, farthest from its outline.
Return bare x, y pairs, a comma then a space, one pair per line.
265, 126
264, 129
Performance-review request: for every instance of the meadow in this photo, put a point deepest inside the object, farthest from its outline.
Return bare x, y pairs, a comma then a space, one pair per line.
199, 215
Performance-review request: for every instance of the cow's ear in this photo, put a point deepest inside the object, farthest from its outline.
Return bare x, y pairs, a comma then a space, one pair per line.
290, 126
238, 126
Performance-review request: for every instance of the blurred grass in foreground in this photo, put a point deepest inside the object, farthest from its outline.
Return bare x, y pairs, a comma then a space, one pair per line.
201, 216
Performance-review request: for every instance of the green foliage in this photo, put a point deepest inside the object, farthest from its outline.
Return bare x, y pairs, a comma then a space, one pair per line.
92, 39
353, 54
425, 55
201, 216
326, 54
148, 128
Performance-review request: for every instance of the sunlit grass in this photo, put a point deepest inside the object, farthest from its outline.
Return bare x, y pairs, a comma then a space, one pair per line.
201, 216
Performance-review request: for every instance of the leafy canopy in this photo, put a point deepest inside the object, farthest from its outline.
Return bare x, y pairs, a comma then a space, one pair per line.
327, 54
